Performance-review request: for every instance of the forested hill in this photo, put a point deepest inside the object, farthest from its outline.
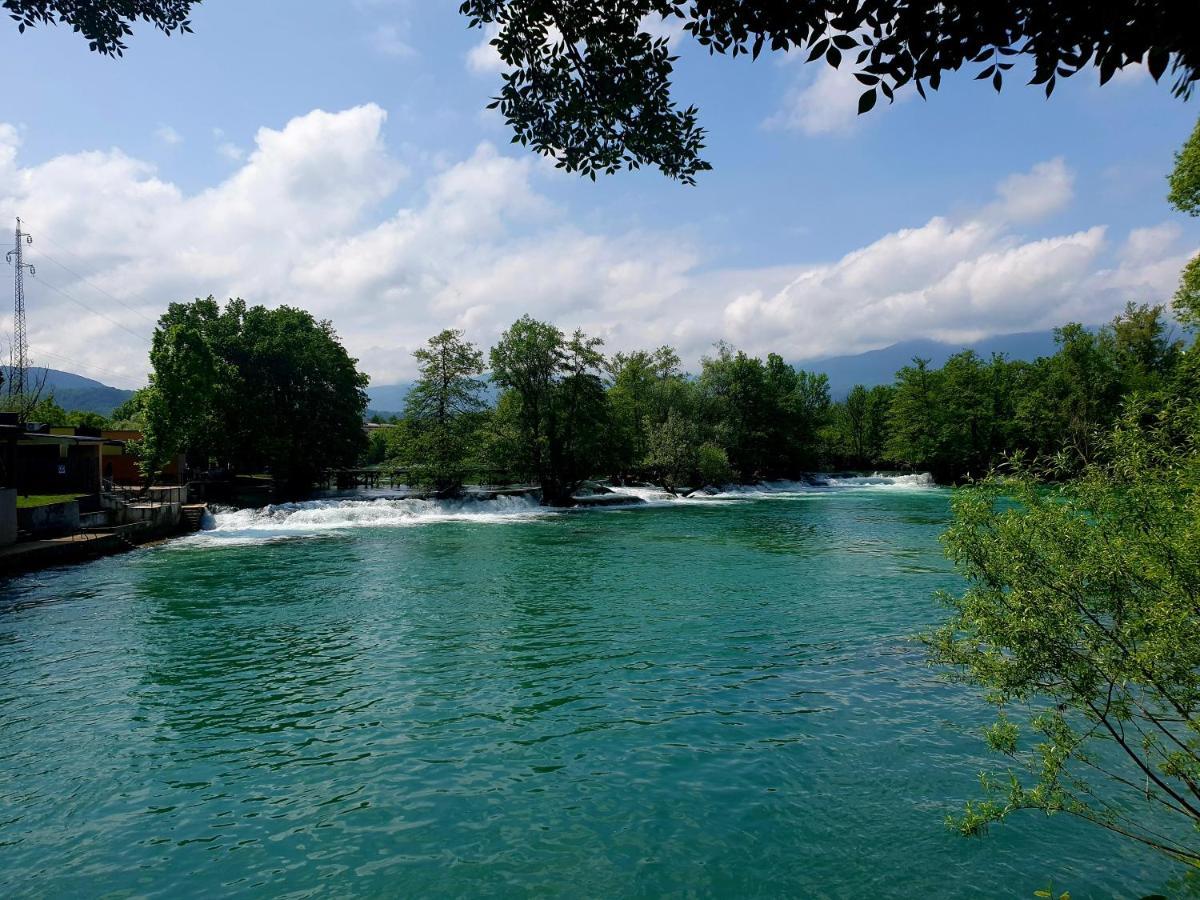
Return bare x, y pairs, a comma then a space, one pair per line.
877, 367
75, 392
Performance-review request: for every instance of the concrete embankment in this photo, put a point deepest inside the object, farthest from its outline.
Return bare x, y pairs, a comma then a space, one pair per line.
139, 524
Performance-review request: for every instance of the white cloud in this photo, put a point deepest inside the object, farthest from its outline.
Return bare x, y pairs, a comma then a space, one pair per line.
312, 217
168, 135
391, 40
824, 101
1029, 196
483, 58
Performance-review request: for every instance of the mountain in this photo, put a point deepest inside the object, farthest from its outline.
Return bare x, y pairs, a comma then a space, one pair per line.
387, 399
74, 392
880, 366
870, 368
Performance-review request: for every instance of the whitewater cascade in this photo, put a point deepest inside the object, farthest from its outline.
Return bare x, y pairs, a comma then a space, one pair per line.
316, 517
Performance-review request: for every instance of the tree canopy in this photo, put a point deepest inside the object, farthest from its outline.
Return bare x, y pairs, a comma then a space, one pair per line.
250, 388
590, 85
104, 24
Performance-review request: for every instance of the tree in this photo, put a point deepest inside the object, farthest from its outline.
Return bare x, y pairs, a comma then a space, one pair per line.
589, 85
440, 406
646, 387
912, 423
1081, 612
1184, 180
736, 401
252, 389
554, 411
673, 454
1184, 195
103, 23
1082, 605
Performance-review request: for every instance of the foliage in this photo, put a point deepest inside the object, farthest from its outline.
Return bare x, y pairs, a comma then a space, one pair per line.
673, 455
1081, 611
646, 387
1186, 305
248, 389
556, 406
1184, 180
712, 464
441, 406
103, 23
45, 411
588, 85
971, 414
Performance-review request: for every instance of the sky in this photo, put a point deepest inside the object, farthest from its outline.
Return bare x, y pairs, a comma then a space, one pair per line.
340, 158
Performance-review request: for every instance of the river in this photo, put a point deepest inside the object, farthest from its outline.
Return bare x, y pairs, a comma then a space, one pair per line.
711, 697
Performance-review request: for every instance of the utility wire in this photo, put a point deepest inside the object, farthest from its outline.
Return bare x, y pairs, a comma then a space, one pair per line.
94, 312
94, 287
77, 364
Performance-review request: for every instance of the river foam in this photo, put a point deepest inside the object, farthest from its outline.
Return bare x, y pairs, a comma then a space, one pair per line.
315, 517
329, 516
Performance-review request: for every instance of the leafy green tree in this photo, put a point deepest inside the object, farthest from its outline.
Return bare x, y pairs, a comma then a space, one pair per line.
645, 388
440, 406
86, 419
712, 465
913, 423
1081, 614
1184, 180
553, 413
589, 86
252, 389
733, 388
131, 414
673, 455
46, 411
104, 24
859, 425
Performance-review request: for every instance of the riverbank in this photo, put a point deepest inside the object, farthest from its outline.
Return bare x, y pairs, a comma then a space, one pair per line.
90, 544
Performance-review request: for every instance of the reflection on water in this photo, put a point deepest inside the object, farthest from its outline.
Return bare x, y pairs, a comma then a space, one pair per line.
705, 698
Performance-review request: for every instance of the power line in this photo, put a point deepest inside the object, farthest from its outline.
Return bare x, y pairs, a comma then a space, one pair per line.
94, 312
141, 315
77, 364
90, 284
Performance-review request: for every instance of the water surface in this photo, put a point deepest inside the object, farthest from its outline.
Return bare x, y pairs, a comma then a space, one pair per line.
700, 698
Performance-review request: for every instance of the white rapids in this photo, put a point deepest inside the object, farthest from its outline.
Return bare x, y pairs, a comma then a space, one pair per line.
328, 516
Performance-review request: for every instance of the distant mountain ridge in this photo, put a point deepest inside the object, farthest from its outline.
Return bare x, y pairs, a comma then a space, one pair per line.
880, 366
75, 392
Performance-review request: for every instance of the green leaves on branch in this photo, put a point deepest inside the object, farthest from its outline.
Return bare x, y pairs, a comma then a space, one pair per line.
104, 24
590, 84
1083, 611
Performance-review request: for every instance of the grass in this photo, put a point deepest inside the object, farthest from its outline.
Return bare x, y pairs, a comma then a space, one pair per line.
34, 500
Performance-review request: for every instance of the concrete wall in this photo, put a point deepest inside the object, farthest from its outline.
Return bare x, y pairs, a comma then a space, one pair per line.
8, 516
57, 518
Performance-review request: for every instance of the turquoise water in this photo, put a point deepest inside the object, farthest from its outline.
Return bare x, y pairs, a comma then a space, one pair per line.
702, 698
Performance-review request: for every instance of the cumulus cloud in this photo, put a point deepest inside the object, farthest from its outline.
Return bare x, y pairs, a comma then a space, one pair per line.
823, 100
1028, 196
321, 215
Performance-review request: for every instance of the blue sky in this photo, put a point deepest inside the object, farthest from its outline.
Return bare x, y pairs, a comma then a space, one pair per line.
344, 162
